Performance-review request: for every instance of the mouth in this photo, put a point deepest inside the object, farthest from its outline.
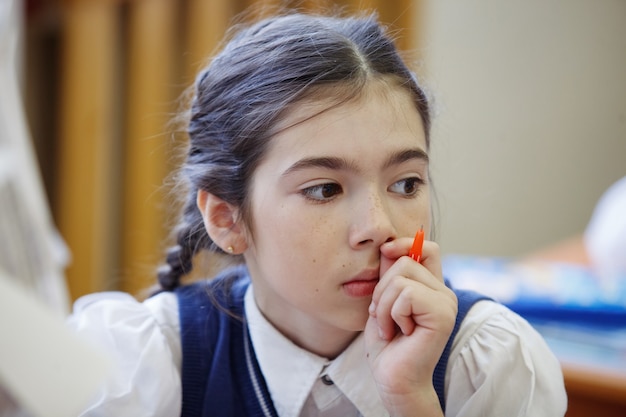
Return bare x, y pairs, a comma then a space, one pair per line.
363, 285
360, 288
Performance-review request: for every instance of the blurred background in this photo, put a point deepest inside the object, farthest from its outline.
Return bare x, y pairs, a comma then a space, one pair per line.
529, 125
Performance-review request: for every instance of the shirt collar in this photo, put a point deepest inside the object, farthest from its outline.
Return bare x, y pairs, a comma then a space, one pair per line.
352, 375
290, 371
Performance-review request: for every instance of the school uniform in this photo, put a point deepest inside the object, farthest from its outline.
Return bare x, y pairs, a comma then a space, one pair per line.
498, 365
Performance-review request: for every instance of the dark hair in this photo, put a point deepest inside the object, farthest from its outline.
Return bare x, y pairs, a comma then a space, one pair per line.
245, 90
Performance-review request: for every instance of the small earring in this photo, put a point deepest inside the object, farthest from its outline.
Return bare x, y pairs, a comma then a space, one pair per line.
230, 249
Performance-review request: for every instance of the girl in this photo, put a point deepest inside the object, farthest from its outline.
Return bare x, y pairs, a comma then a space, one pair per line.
308, 159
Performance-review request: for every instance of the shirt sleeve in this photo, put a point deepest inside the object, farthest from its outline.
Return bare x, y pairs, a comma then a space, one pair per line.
143, 340
501, 366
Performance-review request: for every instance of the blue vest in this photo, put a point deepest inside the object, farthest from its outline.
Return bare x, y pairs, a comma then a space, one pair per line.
220, 373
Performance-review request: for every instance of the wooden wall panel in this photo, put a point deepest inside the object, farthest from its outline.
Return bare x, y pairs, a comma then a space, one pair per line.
206, 23
147, 149
87, 141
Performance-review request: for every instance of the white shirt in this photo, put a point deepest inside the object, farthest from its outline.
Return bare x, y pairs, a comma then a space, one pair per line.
499, 365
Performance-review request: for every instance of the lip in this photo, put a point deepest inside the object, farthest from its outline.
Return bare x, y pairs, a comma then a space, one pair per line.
363, 284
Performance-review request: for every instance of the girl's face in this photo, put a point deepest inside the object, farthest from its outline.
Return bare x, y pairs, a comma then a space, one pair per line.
330, 191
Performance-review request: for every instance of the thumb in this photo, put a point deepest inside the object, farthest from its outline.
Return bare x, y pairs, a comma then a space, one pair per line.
391, 251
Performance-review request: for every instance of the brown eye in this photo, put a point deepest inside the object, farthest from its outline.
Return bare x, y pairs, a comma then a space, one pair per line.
407, 187
322, 192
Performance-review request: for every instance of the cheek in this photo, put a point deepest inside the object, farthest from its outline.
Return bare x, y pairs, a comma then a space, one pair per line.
414, 217
323, 239
299, 236
277, 226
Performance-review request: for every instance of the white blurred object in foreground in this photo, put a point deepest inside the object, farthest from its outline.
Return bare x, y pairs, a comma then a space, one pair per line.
45, 370
605, 236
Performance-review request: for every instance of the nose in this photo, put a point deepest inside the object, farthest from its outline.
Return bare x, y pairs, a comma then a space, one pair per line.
371, 222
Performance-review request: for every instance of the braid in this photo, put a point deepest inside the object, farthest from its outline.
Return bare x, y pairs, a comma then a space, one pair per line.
191, 237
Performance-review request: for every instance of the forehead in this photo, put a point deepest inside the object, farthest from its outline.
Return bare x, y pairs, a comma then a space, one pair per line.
382, 113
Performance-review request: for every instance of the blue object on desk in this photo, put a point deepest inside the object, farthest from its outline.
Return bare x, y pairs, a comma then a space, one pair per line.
543, 291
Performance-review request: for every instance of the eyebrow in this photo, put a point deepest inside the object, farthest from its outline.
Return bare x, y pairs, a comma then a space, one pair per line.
407, 155
336, 163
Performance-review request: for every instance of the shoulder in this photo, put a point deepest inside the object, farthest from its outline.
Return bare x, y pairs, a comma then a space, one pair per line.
102, 315
487, 316
208, 307
499, 359
143, 340
226, 292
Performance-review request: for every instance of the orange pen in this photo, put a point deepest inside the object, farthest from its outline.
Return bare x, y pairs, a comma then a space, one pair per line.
418, 242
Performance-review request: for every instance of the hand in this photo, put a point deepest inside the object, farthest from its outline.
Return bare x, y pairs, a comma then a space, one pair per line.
411, 318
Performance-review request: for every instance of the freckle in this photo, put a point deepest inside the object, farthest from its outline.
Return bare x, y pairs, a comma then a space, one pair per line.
368, 355
314, 260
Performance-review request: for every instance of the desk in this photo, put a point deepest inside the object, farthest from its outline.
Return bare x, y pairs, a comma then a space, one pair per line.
594, 373
594, 392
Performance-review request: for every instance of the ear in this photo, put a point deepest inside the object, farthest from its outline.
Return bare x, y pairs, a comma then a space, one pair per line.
222, 223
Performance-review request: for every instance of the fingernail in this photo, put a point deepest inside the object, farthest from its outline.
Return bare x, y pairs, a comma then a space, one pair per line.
381, 334
372, 308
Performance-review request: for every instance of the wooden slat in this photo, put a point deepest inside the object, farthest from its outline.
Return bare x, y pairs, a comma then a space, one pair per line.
87, 139
314, 5
206, 23
400, 16
355, 5
147, 146
415, 28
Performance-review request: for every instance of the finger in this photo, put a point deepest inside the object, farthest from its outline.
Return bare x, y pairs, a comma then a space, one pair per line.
406, 304
427, 308
392, 251
375, 344
402, 311
412, 303
404, 266
383, 306
398, 305
408, 268
396, 248
431, 259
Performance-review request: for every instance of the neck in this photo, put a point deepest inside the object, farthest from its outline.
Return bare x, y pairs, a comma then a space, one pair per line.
322, 339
